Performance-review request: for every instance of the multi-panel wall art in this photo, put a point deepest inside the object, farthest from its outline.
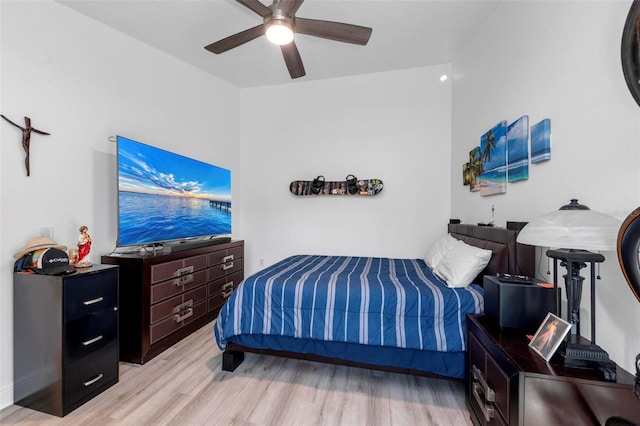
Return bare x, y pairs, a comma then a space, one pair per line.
504, 155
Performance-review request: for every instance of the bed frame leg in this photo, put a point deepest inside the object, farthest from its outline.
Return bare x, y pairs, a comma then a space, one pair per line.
231, 360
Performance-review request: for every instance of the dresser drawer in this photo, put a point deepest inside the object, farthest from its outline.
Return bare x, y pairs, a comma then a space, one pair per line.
176, 304
224, 284
90, 374
175, 286
85, 294
218, 300
488, 391
223, 269
177, 268
224, 256
90, 333
170, 324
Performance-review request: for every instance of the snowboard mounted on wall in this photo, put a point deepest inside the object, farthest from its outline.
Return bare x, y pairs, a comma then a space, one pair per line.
350, 186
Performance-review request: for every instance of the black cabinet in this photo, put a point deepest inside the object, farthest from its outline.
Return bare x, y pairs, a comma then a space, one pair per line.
508, 384
65, 338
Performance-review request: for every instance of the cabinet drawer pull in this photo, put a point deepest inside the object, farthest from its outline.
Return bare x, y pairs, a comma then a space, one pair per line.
92, 301
92, 341
487, 409
227, 266
227, 258
227, 286
489, 394
92, 381
185, 315
183, 280
183, 271
181, 307
227, 293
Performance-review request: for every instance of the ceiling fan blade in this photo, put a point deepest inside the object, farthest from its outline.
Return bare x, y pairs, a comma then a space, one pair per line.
337, 31
256, 6
290, 6
236, 39
293, 60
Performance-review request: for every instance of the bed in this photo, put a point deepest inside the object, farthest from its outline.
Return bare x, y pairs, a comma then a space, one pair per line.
390, 314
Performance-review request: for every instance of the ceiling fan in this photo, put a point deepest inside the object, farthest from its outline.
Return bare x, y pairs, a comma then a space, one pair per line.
280, 24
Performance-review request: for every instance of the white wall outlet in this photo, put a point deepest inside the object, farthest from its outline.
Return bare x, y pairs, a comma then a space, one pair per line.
46, 231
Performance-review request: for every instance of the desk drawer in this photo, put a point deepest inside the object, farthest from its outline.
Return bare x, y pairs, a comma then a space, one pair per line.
223, 269
175, 286
89, 374
224, 256
86, 294
90, 333
177, 268
170, 324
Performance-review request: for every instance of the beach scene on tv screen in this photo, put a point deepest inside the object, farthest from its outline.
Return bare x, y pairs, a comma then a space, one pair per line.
163, 196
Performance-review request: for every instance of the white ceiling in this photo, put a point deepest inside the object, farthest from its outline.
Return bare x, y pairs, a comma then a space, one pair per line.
406, 34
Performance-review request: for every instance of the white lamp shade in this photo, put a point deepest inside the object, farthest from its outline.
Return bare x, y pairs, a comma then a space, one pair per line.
572, 229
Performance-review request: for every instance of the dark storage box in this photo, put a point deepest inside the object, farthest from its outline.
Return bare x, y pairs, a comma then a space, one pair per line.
521, 306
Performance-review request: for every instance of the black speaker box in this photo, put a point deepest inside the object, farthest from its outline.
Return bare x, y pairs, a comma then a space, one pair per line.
516, 226
522, 306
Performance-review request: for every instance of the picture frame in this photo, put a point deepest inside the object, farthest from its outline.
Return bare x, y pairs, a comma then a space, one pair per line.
549, 336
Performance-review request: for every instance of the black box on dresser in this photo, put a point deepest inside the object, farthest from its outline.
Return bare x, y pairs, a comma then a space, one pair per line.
516, 305
65, 331
166, 297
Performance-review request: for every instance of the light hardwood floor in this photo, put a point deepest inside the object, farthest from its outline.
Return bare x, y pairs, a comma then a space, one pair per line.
186, 386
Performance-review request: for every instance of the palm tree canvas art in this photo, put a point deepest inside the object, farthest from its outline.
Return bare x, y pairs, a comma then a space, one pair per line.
473, 169
493, 147
518, 149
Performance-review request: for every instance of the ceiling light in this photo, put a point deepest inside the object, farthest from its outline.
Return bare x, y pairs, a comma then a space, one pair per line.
443, 77
280, 32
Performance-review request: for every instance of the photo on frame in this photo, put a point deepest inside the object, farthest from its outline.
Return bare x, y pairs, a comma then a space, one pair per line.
549, 336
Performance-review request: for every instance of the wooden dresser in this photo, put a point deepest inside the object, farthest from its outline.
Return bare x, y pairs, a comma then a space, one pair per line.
166, 297
509, 384
65, 333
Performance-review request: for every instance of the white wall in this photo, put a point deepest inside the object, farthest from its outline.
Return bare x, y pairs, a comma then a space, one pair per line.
84, 82
559, 60
393, 126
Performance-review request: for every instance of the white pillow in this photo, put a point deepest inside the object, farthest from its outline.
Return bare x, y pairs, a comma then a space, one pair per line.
462, 263
438, 250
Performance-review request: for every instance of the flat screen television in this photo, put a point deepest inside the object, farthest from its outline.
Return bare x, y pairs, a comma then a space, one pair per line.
164, 197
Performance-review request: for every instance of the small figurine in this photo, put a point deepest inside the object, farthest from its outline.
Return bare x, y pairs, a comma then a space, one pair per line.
84, 247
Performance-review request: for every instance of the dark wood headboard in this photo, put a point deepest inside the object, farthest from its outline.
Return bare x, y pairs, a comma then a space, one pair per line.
508, 255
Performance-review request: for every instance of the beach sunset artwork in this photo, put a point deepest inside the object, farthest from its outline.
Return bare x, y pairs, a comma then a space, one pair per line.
518, 149
493, 147
541, 141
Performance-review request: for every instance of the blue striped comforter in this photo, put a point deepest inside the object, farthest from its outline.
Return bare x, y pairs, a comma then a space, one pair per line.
369, 301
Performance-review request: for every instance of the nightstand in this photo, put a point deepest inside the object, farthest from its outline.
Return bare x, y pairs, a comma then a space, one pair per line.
508, 384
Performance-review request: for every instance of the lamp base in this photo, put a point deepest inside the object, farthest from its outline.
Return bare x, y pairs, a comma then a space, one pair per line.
589, 356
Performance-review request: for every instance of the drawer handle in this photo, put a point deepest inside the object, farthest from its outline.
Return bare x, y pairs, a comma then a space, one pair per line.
227, 266
490, 395
93, 301
184, 271
181, 307
227, 258
183, 280
185, 315
92, 381
92, 341
487, 409
227, 286
227, 293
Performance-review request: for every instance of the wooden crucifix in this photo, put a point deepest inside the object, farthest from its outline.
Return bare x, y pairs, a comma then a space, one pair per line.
26, 138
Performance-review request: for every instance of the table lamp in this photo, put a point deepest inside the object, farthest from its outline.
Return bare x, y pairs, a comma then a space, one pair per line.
570, 233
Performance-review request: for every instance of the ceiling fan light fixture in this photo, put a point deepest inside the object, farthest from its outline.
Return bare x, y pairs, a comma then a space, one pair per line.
279, 32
